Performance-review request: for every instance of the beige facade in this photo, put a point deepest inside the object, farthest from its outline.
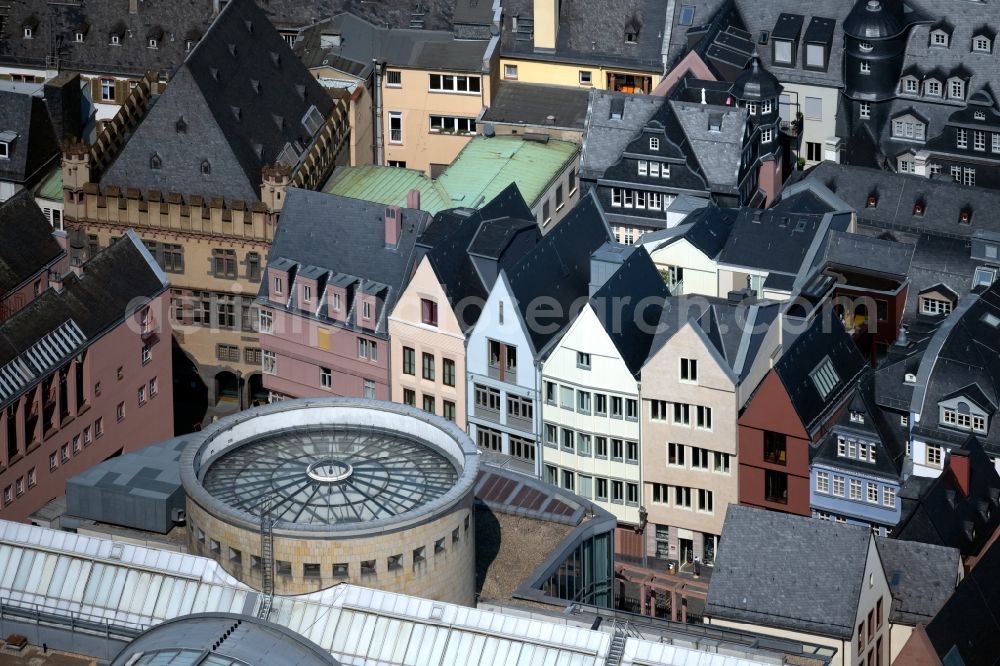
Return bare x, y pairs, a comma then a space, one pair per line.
425, 127
444, 570
689, 469
443, 341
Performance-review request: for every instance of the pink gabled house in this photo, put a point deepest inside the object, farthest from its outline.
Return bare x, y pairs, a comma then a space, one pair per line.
336, 267
85, 373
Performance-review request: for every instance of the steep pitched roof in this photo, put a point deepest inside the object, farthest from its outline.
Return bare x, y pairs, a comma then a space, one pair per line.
773, 569
558, 270
26, 242
344, 239
490, 230
819, 367
628, 305
241, 100
921, 578
606, 134
939, 512
26, 128
967, 628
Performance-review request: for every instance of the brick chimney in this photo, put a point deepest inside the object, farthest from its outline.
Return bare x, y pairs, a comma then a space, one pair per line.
413, 199
393, 224
958, 463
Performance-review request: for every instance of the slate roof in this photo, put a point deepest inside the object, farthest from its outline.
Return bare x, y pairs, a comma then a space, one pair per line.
708, 18
32, 142
629, 304
938, 512
593, 31
531, 104
867, 253
735, 330
718, 152
921, 578
490, 230
242, 96
825, 338
605, 137
773, 569
343, 240
963, 356
363, 40
113, 285
26, 242
559, 268
967, 627
709, 229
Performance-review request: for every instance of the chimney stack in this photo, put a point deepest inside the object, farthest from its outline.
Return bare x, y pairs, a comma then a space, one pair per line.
958, 463
413, 199
393, 225
56, 281
133, 6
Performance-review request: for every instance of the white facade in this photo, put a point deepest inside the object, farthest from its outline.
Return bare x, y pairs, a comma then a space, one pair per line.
698, 274
819, 117
591, 441
502, 400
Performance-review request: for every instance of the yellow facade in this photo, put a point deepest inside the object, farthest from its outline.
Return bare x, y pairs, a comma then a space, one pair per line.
568, 74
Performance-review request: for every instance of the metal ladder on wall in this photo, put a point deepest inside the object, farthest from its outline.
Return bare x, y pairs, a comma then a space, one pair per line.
266, 560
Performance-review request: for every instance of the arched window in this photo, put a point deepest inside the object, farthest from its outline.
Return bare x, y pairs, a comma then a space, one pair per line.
206, 168
155, 162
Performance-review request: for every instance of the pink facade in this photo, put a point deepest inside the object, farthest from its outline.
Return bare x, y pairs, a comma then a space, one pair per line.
69, 421
304, 348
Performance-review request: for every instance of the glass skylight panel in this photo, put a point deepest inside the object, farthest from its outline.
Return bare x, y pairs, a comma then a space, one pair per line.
825, 378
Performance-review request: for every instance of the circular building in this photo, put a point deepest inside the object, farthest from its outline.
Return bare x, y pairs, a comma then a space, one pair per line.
222, 639
340, 490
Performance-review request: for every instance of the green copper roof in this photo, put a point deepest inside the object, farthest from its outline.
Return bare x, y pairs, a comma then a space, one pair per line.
488, 165
480, 172
387, 185
51, 188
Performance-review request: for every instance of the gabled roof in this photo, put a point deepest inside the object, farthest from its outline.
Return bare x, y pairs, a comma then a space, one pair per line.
607, 134
245, 100
558, 269
921, 578
32, 144
343, 240
115, 283
26, 242
774, 569
709, 229
823, 343
490, 230
939, 512
967, 628
628, 305
886, 257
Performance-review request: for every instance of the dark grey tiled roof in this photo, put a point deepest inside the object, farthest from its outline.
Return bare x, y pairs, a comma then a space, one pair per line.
938, 512
362, 41
825, 338
343, 240
921, 577
718, 152
113, 284
629, 306
427, 14
532, 104
969, 622
559, 268
867, 252
26, 242
593, 31
242, 95
605, 137
33, 145
774, 569
504, 229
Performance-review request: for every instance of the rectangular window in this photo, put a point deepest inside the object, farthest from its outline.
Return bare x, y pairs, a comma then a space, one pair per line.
429, 406
782, 52
979, 140
448, 410
409, 361
775, 486
369, 389
224, 263
865, 110
855, 486
689, 370
872, 492
617, 449
583, 360
721, 464
699, 458
682, 414
325, 378
866, 67
519, 407
616, 407
704, 417
447, 372
675, 454
823, 482
410, 397
682, 497
107, 90
814, 108
568, 480
452, 125
583, 444
451, 83
269, 363
934, 456
266, 321
586, 78
601, 447
602, 490
568, 439
141, 395
510, 72
394, 78
427, 367
658, 410
631, 409
632, 452
396, 127
775, 448
583, 402
705, 501
962, 138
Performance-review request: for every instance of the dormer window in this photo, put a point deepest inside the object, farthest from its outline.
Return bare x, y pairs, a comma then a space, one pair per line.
630, 37
866, 47
979, 115
206, 168
932, 87
816, 56
78, 38
910, 85
963, 416
752, 108
857, 417
981, 44
965, 216
918, 208
115, 40
939, 38
632, 28
783, 54
4, 150
188, 44
956, 89
654, 143
155, 162
28, 33
872, 201
181, 125
152, 43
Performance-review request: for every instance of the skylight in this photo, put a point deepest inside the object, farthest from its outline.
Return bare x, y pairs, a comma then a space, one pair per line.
991, 319
825, 378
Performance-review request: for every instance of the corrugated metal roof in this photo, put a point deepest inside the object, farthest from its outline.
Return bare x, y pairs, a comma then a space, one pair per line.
137, 587
487, 165
388, 185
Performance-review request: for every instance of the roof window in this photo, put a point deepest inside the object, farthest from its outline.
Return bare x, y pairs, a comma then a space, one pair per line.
825, 378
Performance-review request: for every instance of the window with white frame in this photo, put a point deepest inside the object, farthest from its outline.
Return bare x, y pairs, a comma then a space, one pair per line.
454, 83
269, 363
654, 143
855, 486
939, 38
866, 67
979, 114
107, 90
889, 497
586, 77
325, 378
962, 137
968, 176
510, 72
823, 482
266, 321
767, 135
752, 108
934, 306
394, 78
981, 43
865, 110
838, 485
935, 456
643, 167
978, 140
911, 86
956, 89
452, 125
932, 88
767, 106
396, 127
872, 492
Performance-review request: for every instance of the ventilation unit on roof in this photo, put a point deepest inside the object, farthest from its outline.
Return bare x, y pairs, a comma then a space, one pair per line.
910, 378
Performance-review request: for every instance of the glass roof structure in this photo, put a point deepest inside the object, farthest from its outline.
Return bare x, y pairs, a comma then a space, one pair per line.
86, 579
326, 475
